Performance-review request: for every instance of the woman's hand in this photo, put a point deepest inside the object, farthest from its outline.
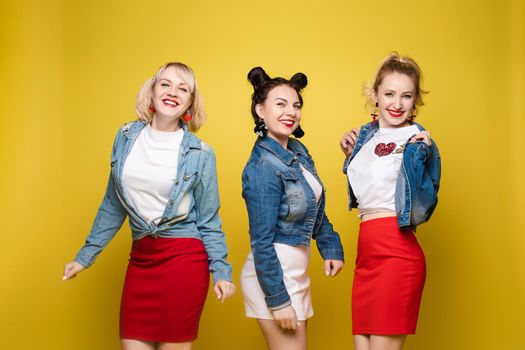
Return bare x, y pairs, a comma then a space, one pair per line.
286, 317
71, 269
224, 289
348, 141
332, 267
422, 136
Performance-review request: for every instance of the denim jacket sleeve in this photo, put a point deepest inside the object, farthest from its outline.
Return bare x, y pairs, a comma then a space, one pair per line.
262, 192
423, 167
328, 241
208, 221
109, 219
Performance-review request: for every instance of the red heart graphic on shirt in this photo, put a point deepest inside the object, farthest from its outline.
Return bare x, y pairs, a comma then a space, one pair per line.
384, 150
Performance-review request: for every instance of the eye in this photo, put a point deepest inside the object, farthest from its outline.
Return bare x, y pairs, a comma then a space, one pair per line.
297, 106
281, 104
164, 84
389, 94
407, 97
184, 89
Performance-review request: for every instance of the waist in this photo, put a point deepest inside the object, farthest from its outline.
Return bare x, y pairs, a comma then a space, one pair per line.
377, 215
176, 231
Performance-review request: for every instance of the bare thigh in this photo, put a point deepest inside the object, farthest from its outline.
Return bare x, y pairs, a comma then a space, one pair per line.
280, 339
361, 342
132, 344
387, 342
175, 346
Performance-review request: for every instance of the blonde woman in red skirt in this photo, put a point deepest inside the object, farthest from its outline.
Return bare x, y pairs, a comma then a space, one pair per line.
163, 178
393, 170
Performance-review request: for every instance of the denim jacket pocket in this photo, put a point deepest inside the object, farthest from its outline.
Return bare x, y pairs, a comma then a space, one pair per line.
294, 197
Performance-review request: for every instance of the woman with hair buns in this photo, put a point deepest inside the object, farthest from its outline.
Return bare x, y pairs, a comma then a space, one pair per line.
163, 179
285, 201
393, 170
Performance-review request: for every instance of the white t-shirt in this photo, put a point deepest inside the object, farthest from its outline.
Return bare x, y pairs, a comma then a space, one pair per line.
374, 170
312, 181
150, 171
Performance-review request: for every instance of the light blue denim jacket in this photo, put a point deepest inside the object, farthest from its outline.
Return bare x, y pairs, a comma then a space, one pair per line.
196, 178
418, 181
282, 209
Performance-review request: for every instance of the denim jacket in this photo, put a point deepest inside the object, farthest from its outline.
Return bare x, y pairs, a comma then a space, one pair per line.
282, 209
196, 178
418, 181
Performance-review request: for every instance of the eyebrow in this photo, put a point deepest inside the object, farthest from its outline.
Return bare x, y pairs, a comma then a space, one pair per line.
181, 83
404, 92
285, 100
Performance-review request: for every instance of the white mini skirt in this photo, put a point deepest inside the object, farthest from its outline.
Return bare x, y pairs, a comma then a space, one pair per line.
294, 262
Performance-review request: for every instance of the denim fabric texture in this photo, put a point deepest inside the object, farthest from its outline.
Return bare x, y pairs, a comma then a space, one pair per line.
418, 181
282, 209
196, 178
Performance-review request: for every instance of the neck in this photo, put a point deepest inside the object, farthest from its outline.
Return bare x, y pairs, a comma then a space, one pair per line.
383, 125
282, 141
163, 124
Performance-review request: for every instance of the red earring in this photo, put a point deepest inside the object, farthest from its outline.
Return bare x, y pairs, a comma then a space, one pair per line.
374, 115
187, 117
151, 109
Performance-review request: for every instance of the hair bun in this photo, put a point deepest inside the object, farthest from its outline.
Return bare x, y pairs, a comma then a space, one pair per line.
299, 81
257, 76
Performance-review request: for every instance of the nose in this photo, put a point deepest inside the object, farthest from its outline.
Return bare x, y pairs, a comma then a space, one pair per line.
290, 111
397, 103
172, 92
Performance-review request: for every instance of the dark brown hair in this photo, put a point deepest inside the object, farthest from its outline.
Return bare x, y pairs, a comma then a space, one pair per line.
262, 84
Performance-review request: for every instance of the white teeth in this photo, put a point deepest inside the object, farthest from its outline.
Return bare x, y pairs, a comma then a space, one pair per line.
171, 103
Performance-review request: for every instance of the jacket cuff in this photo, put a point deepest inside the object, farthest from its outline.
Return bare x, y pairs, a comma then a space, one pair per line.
333, 254
277, 301
275, 308
225, 275
84, 260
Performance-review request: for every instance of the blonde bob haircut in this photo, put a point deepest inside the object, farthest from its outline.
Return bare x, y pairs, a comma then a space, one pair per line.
145, 96
394, 62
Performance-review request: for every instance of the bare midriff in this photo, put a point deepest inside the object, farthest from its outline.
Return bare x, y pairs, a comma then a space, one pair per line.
377, 215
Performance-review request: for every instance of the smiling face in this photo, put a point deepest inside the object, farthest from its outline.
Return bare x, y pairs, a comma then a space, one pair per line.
395, 98
171, 96
281, 112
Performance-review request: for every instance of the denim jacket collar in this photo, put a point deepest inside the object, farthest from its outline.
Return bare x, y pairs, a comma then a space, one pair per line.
279, 151
132, 130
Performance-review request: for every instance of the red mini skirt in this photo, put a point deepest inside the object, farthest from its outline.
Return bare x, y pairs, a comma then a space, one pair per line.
388, 279
165, 289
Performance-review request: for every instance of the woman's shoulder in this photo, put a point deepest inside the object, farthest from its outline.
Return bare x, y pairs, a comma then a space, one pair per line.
133, 125
126, 129
261, 163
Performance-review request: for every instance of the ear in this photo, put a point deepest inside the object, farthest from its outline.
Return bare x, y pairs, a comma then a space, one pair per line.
259, 111
374, 97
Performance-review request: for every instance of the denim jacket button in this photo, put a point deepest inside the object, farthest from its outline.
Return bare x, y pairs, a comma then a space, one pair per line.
176, 182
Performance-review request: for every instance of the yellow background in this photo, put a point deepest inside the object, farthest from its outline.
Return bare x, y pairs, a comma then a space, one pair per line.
70, 71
